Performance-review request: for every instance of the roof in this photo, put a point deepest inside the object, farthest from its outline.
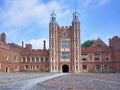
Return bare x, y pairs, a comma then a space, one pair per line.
98, 44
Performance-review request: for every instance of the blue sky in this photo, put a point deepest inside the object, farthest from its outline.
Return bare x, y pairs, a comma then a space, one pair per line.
28, 20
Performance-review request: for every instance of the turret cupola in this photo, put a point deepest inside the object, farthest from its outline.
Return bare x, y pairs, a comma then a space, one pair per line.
53, 17
75, 16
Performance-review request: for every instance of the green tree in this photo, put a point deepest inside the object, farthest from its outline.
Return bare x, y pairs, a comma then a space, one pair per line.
88, 43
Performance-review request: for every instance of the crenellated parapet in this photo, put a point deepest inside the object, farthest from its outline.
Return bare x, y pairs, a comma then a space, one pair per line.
65, 27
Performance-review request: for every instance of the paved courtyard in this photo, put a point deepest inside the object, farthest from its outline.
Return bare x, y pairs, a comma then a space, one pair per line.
83, 81
12, 77
60, 81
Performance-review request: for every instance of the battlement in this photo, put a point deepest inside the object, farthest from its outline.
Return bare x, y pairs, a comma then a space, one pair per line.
65, 27
14, 45
115, 42
114, 39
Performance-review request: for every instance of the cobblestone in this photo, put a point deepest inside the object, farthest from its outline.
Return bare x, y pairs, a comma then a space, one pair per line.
12, 77
70, 81
84, 81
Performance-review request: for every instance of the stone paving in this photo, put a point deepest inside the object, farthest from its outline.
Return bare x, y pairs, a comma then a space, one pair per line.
12, 77
28, 84
69, 81
83, 81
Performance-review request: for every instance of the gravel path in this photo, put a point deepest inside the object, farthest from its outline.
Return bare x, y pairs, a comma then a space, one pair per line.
27, 84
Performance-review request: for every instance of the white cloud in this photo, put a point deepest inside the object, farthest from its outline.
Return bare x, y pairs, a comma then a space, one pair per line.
38, 43
21, 12
17, 15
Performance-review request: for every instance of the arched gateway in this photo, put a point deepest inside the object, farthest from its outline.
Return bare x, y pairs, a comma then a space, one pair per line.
65, 68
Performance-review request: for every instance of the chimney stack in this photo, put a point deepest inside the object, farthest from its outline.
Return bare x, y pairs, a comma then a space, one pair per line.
44, 44
29, 47
3, 37
22, 44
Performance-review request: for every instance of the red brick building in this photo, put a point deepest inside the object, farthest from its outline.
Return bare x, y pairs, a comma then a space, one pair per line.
64, 54
64, 45
19, 58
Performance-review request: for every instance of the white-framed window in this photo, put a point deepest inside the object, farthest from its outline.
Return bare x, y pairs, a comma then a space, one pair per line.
65, 44
65, 55
105, 67
96, 57
84, 57
28, 59
24, 59
15, 58
37, 59
52, 59
33, 59
32, 67
98, 67
42, 59
107, 57
26, 67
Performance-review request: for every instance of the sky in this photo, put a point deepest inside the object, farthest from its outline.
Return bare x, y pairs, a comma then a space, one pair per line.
28, 20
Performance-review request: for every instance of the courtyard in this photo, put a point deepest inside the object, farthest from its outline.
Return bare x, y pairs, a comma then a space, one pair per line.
60, 81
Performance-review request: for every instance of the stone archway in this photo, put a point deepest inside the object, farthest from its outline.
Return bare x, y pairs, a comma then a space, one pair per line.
7, 69
65, 68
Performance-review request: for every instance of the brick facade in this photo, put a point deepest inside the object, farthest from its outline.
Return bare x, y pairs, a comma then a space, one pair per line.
64, 54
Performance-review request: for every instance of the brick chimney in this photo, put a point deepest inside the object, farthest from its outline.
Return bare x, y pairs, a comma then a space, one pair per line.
29, 47
44, 44
3, 37
22, 44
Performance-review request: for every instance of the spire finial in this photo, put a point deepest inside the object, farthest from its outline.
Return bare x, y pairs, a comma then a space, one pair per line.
53, 16
75, 15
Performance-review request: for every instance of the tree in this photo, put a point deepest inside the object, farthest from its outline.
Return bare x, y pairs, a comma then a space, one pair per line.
88, 43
